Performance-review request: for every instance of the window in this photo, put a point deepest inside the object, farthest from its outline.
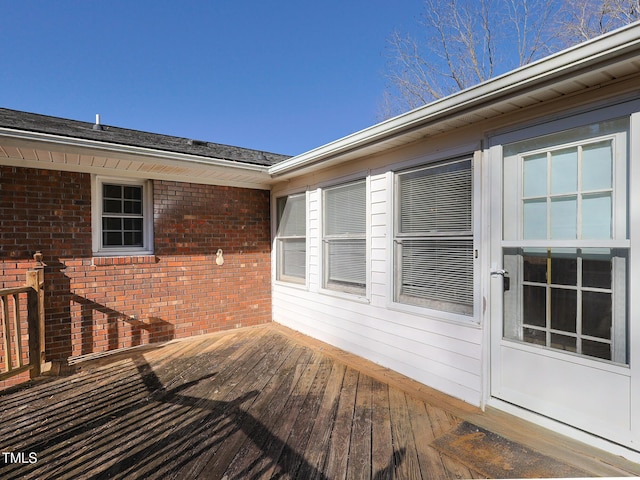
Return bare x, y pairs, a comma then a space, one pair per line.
344, 237
123, 221
434, 237
566, 242
291, 238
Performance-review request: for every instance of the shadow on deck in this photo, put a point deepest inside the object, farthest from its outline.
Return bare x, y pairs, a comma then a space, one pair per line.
247, 404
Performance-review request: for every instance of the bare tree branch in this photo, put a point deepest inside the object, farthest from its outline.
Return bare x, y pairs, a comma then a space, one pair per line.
465, 42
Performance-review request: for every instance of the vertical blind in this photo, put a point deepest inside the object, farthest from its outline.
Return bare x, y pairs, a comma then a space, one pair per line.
435, 237
345, 235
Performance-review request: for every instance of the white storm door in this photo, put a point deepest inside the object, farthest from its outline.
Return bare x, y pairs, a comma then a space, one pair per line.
559, 278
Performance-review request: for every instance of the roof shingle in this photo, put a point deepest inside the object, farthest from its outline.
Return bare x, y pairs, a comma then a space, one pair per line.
14, 119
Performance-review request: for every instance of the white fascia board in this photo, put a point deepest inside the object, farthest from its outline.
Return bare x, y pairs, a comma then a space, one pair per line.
590, 53
159, 156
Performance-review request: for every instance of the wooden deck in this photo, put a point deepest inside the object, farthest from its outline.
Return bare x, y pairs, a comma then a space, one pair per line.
258, 403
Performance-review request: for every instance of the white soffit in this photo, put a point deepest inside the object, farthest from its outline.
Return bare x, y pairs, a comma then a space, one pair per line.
37, 150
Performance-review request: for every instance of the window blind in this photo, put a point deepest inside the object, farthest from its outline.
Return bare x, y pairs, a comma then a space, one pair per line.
347, 261
439, 271
344, 211
293, 252
436, 199
434, 237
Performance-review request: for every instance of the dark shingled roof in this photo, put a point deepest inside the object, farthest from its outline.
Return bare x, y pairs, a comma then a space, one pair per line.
84, 130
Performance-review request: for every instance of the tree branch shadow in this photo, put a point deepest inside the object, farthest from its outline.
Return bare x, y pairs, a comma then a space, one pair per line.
151, 435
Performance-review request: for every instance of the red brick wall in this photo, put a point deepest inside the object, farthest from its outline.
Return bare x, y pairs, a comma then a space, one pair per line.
97, 304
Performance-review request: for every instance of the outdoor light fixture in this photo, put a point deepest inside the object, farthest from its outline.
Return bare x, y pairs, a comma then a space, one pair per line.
219, 258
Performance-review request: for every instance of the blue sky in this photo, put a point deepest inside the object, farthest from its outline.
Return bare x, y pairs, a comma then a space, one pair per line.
284, 76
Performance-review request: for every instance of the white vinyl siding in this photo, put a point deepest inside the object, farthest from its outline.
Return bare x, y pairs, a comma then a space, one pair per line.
434, 237
344, 240
291, 242
379, 203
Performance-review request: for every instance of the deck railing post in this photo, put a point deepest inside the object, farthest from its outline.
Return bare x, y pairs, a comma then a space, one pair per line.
35, 301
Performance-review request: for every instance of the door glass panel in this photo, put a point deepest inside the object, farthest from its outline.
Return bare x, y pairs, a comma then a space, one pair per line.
535, 219
596, 166
566, 299
537, 337
535, 268
597, 349
563, 309
596, 314
535, 175
563, 342
596, 216
564, 171
563, 218
535, 305
564, 270
596, 271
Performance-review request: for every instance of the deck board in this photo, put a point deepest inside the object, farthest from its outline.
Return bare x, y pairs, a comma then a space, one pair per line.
382, 454
338, 454
316, 450
359, 464
405, 448
253, 403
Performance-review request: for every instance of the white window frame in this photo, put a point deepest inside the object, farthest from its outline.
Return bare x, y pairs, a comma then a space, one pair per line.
328, 239
447, 310
281, 239
97, 214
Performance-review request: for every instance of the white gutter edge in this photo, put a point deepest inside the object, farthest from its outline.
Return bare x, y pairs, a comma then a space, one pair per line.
128, 149
590, 52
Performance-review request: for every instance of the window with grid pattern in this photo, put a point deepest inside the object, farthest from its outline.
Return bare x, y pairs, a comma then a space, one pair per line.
122, 217
566, 224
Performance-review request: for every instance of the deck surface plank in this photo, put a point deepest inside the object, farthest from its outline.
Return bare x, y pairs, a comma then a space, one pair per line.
292, 459
338, 454
407, 466
430, 460
382, 452
188, 403
266, 385
317, 447
271, 464
253, 403
359, 464
267, 412
226, 398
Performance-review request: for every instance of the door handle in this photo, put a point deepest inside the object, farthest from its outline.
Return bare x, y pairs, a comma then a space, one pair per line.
506, 281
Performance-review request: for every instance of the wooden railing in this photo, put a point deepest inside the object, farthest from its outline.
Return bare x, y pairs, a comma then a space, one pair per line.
12, 322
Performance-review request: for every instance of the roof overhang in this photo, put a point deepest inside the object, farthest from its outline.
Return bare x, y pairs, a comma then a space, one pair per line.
40, 150
601, 61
